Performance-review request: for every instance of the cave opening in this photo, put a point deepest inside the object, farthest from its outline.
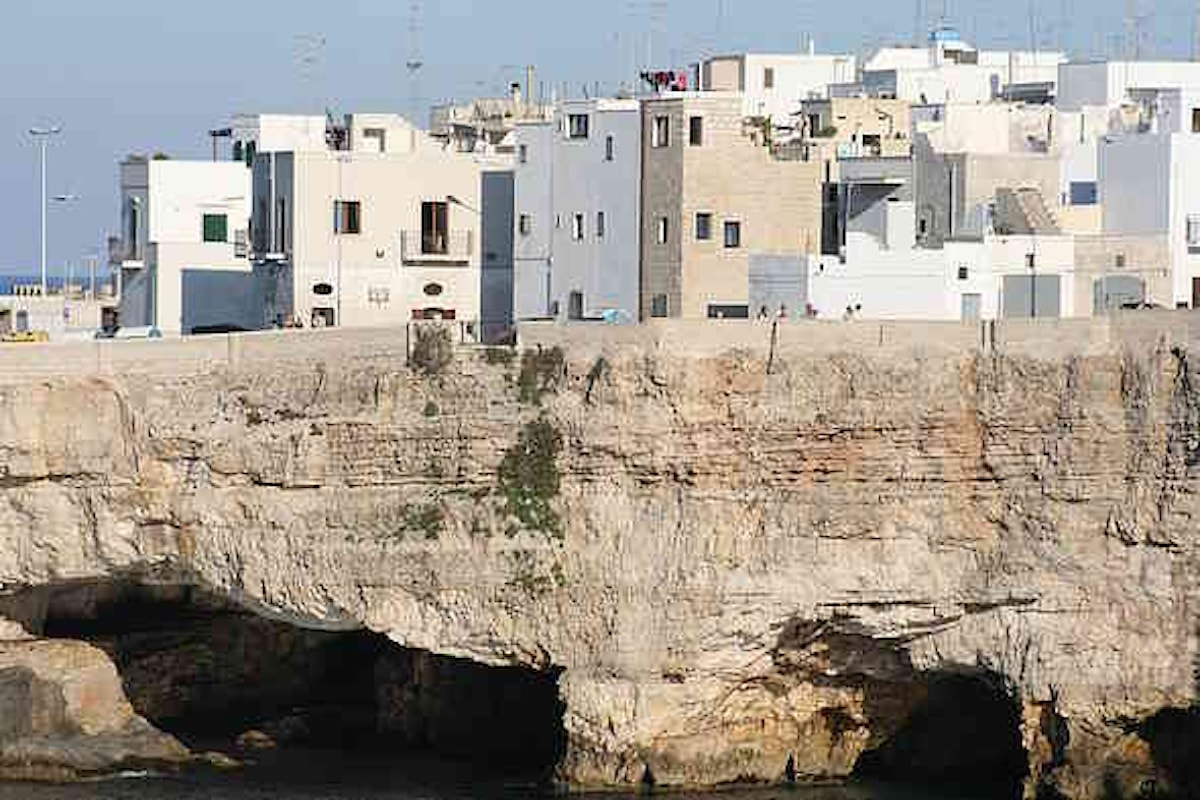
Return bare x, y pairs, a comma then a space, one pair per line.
963, 732
219, 677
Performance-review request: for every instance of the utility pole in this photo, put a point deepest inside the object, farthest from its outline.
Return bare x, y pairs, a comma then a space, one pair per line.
42, 136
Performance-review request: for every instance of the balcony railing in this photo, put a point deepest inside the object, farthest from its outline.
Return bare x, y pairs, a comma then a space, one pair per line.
451, 249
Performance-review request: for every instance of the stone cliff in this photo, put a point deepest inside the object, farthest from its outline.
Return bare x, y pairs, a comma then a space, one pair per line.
745, 554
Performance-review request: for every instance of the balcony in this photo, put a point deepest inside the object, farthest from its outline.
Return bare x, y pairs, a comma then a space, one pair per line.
453, 249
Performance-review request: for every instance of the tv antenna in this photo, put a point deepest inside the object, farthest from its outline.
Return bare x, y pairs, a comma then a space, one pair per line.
416, 61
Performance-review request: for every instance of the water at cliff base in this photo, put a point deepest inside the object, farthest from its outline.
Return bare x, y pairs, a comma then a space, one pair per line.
317, 777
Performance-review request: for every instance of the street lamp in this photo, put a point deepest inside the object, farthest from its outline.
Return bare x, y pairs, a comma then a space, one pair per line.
43, 136
62, 199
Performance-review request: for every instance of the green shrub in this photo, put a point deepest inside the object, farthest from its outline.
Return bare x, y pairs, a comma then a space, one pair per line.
530, 480
542, 371
433, 350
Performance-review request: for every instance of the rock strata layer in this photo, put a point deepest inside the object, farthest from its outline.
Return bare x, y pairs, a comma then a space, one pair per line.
753, 561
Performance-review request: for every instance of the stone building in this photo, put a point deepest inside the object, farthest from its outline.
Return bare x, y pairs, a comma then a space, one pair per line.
725, 221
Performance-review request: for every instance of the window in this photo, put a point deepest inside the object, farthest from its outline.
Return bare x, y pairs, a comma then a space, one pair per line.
347, 216
718, 311
769, 78
963, 273
558, 222
435, 228
662, 132
525, 224
733, 235
696, 131
703, 227
601, 224
610, 147
1193, 232
577, 228
1030, 261
1196, 120
575, 306
663, 230
658, 306
1120, 260
378, 137
216, 228
523, 154
577, 126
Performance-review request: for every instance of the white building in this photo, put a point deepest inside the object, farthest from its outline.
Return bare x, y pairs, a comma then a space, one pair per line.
990, 277
379, 234
1101, 99
577, 219
277, 133
184, 246
774, 86
950, 70
1149, 185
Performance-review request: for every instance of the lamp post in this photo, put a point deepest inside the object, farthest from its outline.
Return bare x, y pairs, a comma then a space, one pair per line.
63, 199
43, 136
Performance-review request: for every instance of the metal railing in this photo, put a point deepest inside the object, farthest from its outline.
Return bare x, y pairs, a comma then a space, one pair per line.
453, 248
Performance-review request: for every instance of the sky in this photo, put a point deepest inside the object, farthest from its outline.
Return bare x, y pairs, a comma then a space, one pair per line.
148, 76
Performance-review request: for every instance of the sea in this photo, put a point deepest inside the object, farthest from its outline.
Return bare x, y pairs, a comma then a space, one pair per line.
315, 777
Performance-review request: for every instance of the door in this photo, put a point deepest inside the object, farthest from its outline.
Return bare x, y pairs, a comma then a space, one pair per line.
972, 307
575, 306
435, 233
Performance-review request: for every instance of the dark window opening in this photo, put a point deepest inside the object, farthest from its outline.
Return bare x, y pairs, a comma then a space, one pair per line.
216, 228
435, 228
733, 235
347, 217
703, 227
728, 312
658, 306
696, 131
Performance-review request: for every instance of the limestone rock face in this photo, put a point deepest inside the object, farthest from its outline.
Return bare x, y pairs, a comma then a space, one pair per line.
751, 558
65, 715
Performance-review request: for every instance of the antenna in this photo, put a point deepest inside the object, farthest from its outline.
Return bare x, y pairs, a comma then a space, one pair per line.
415, 62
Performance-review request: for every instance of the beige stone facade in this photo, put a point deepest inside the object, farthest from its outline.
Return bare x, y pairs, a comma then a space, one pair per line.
856, 127
729, 179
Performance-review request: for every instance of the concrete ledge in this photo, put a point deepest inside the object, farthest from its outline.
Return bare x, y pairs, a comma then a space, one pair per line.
1042, 339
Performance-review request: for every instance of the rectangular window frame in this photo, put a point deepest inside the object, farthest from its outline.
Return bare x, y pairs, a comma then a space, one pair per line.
733, 234
704, 221
660, 134
347, 217
525, 224
659, 307
578, 126
601, 224
578, 227
610, 148
696, 131
435, 227
663, 232
214, 229
1193, 231
768, 78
